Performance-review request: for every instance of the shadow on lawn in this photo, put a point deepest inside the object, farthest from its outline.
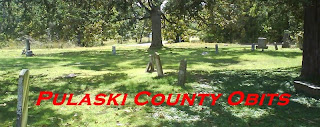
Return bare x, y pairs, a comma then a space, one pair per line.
222, 81
301, 111
38, 116
137, 58
296, 113
43, 115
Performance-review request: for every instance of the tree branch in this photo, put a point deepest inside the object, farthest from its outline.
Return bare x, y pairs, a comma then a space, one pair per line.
167, 19
132, 18
201, 18
150, 4
144, 6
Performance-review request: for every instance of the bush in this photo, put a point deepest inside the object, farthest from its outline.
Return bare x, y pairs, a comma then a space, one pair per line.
208, 37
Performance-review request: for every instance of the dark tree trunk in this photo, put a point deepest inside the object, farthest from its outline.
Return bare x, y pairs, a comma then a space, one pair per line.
311, 45
156, 27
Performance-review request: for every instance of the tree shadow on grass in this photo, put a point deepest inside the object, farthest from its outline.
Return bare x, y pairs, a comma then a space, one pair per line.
79, 85
296, 113
44, 115
260, 81
37, 116
136, 58
16, 64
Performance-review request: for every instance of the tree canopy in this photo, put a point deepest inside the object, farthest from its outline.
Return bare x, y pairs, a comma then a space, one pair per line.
92, 21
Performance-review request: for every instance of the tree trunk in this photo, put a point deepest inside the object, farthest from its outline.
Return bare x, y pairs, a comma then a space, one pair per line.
156, 27
311, 45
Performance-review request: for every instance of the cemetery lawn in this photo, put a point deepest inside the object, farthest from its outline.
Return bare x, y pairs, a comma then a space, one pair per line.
235, 68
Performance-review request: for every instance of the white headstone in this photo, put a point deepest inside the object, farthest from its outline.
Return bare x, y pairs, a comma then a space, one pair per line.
23, 98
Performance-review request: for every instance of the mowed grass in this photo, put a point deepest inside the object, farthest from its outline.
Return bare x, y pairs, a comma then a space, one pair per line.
235, 68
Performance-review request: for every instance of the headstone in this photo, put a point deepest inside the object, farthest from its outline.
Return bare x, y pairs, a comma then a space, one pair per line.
27, 44
253, 47
182, 75
217, 49
286, 39
158, 64
275, 45
114, 50
262, 43
150, 66
28, 51
23, 98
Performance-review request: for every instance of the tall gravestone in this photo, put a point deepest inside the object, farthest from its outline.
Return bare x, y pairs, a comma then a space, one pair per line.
158, 64
114, 52
252, 47
150, 65
262, 43
286, 39
28, 49
182, 74
23, 98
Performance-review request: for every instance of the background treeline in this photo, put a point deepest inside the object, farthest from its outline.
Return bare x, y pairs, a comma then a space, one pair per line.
90, 22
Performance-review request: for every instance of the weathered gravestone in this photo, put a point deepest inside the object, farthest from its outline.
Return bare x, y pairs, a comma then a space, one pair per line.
158, 64
252, 47
275, 45
27, 49
300, 40
182, 74
114, 50
23, 93
217, 49
286, 39
262, 43
150, 66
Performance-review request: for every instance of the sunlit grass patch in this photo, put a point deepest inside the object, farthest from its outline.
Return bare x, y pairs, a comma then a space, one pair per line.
235, 68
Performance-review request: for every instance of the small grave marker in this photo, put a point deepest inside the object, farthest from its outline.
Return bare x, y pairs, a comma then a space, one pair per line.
286, 39
23, 98
150, 66
217, 49
158, 64
275, 45
114, 50
182, 72
262, 43
253, 47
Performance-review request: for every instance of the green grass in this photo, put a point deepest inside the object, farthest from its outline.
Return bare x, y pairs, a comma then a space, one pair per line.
235, 68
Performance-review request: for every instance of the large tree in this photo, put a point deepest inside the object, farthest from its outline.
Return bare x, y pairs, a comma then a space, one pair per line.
155, 13
311, 45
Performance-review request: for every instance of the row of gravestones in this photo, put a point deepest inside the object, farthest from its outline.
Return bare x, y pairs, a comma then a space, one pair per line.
182, 74
262, 42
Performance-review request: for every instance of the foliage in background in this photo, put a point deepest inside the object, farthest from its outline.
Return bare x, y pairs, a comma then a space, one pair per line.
88, 23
